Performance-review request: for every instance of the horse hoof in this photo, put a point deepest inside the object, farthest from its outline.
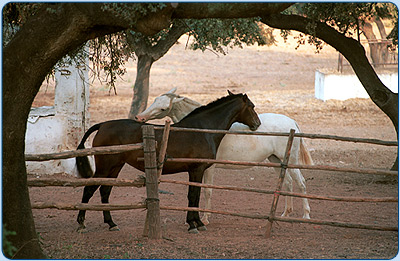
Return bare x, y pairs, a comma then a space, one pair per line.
202, 228
205, 221
193, 231
114, 228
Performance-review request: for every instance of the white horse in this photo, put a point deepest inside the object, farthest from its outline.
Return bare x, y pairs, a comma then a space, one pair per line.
233, 147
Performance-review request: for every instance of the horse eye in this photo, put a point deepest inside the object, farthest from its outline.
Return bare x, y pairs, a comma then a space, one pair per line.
163, 109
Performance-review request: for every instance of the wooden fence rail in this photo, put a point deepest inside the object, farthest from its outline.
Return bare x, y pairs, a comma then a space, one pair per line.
287, 219
291, 166
83, 206
73, 182
84, 152
303, 135
284, 193
129, 147
140, 182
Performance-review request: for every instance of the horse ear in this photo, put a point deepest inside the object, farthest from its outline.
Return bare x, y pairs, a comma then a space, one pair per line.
173, 90
230, 93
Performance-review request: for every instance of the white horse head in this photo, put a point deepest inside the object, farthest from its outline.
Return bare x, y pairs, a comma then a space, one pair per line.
168, 104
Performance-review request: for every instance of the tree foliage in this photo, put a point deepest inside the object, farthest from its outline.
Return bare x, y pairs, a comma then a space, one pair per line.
109, 54
346, 18
214, 33
207, 34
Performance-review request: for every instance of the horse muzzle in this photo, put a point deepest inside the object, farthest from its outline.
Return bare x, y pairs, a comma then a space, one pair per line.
140, 119
256, 124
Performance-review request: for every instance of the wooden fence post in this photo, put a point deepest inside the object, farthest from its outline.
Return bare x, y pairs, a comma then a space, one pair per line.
153, 221
280, 182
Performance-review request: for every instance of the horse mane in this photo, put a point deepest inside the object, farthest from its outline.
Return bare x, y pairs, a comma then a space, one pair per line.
190, 101
213, 104
186, 99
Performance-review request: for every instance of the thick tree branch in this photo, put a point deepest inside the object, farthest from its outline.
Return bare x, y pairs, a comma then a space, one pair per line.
162, 47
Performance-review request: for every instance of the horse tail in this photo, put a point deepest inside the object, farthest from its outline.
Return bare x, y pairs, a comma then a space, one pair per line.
305, 156
304, 153
82, 163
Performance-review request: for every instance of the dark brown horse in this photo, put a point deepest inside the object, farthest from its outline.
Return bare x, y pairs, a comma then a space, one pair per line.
220, 114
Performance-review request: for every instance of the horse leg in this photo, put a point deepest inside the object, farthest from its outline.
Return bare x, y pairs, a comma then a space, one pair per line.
301, 183
287, 185
193, 218
105, 194
208, 178
88, 192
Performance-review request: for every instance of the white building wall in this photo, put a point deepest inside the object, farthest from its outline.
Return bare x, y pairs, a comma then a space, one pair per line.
334, 85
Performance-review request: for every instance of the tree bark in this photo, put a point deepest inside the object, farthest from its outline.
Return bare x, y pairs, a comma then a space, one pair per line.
147, 55
383, 97
45, 38
378, 50
141, 87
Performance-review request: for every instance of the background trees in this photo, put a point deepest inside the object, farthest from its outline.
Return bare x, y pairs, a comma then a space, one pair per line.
207, 33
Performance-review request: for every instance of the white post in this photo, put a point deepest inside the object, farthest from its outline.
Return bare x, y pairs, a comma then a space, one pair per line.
72, 101
60, 128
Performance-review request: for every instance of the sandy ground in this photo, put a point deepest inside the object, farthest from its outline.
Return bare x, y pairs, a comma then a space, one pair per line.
277, 79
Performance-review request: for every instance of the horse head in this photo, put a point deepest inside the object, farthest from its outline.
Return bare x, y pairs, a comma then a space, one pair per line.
247, 115
160, 108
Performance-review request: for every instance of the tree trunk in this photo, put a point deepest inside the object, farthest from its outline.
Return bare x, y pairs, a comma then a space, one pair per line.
353, 51
141, 87
17, 214
147, 55
378, 49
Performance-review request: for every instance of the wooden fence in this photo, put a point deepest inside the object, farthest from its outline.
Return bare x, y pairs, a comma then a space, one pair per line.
153, 171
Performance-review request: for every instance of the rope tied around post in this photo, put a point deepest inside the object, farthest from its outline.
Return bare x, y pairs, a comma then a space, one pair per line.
160, 164
149, 200
284, 165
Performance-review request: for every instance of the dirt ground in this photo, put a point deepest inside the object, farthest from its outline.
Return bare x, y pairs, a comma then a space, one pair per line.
277, 79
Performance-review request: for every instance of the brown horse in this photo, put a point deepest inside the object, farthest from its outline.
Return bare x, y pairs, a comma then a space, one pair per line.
220, 114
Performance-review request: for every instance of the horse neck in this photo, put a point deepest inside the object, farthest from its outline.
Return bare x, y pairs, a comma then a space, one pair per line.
221, 116
182, 108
